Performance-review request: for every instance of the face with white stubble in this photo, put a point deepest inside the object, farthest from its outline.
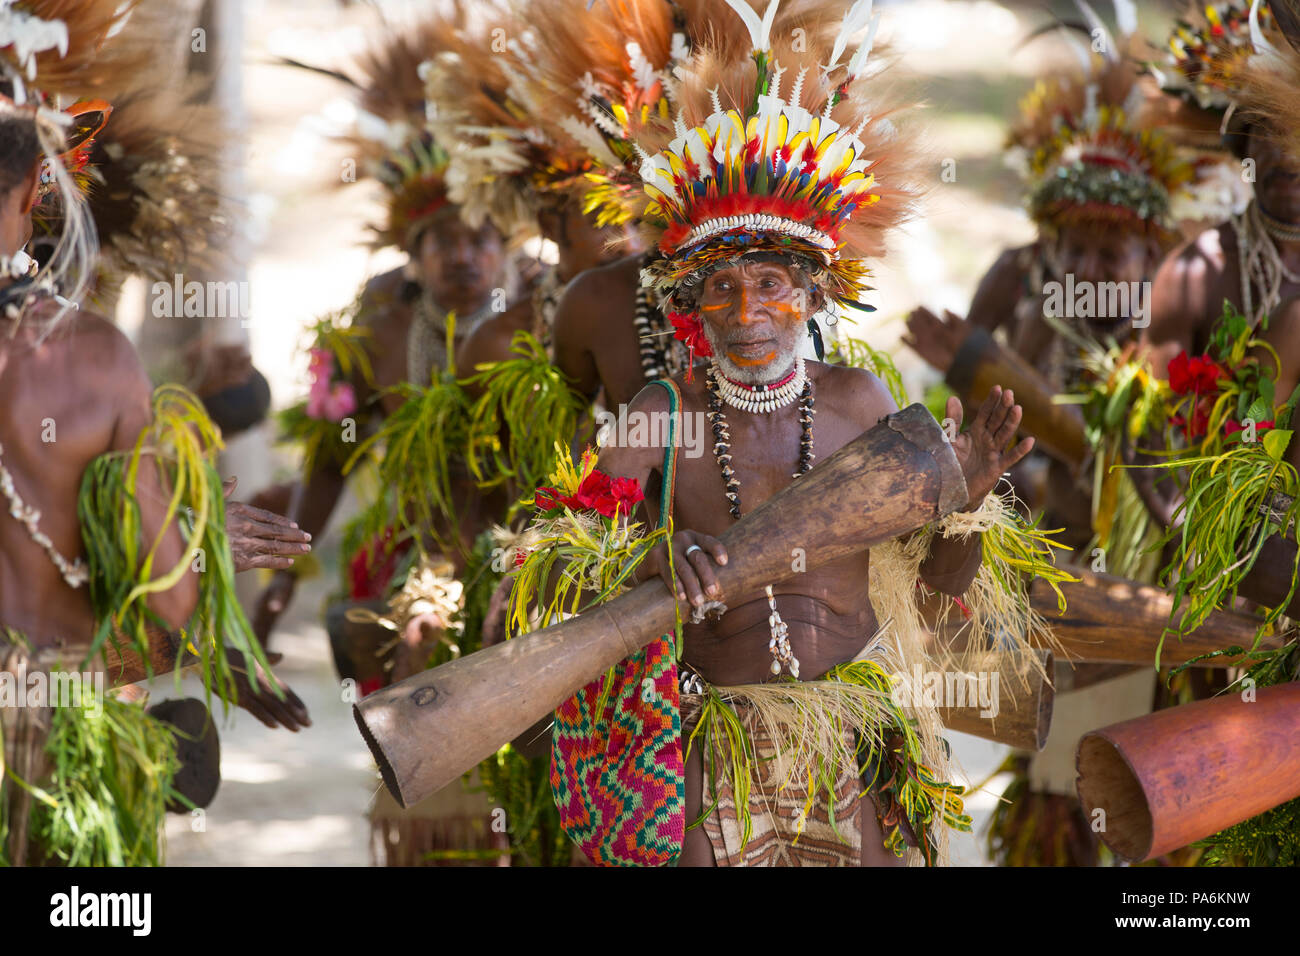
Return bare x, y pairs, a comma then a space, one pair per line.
755, 315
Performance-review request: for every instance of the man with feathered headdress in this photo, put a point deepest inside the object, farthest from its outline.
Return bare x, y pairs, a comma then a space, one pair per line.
508, 165
774, 178
599, 75
454, 267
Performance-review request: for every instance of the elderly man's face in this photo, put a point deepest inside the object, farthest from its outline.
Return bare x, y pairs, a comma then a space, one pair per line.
754, 316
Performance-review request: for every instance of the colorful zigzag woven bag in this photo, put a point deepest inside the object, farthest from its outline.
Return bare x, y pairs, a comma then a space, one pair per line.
617, 775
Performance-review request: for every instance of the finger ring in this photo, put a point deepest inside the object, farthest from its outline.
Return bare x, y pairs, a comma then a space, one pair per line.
694, 547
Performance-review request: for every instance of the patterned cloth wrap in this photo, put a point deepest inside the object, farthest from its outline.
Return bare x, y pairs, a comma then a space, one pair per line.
617, 772
789, 829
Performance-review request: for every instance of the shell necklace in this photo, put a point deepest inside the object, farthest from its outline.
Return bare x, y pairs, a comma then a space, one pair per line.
779, 645
761, 398
74, 572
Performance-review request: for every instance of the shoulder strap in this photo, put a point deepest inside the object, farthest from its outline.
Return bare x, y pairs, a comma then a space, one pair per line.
670, 452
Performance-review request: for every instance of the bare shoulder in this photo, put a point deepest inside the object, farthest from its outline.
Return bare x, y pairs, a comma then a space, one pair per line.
1187, 285
1203, 251
856, 393
588, 297
634, 439
379, 297
491, 340
105, 351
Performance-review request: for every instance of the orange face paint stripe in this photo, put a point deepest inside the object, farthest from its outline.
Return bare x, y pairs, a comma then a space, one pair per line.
749, 362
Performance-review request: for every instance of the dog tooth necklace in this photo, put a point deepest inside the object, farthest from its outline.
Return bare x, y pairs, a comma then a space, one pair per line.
762, 398
722, 433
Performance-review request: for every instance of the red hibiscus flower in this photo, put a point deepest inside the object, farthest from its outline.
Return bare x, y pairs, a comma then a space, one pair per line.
1196, 374
691, 331
549, 501
627, 494
1231, 428
596, 493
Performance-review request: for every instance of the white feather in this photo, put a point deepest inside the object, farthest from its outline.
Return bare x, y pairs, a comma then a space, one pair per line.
765, 38
775, 91
760, 31
798, 87
752, 23
1126, 17
853, 21
859, 61
1262, 46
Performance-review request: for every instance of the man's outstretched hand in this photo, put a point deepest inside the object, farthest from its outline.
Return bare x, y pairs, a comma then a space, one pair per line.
934, 339
982, 449
253, 690
259, 538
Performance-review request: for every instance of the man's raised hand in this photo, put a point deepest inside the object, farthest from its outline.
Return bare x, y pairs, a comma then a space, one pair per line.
934, 339
982, 450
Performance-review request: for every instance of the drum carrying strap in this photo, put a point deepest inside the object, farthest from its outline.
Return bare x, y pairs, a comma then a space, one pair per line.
617, 771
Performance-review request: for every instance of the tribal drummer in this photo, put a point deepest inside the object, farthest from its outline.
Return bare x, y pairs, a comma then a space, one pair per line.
753, 247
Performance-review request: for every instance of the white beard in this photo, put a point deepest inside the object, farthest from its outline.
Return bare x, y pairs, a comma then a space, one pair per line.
773, 371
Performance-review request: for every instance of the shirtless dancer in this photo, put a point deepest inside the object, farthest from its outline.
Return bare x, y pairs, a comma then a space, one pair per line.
453, 267
749, 289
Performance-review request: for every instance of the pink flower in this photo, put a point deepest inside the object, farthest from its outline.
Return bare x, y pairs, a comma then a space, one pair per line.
331, 403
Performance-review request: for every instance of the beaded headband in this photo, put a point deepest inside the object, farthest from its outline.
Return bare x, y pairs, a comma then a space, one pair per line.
1091, 144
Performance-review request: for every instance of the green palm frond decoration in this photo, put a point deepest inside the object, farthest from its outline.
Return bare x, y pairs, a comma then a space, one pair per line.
181, 444
857, 353
526, 402
838, 721
418, 451
1122, 401
573, 562
1235, 502
107, 795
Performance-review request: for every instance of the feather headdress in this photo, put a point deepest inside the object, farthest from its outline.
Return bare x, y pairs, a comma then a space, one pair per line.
1093, 149
596, 79
157, 201
50, 48
1270, 88
790, 154
502, 165
389, 139
1208, 48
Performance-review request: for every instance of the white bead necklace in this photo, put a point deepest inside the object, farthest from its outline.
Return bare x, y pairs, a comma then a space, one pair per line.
760, 399
74, 572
